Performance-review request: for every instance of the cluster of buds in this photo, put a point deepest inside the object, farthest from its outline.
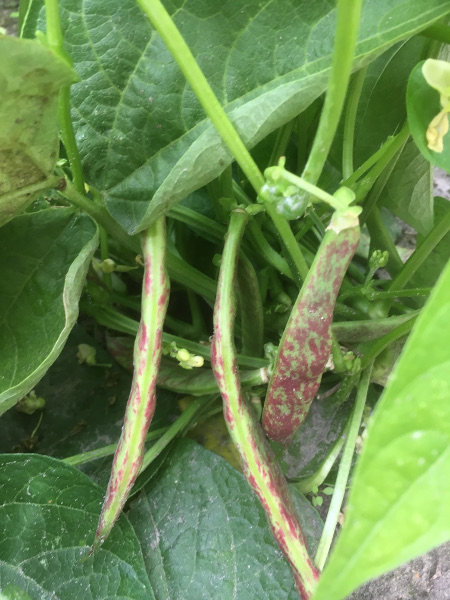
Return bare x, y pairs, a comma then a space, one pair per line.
185, 359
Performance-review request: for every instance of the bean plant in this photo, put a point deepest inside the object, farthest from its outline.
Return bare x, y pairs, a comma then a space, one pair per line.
212, 313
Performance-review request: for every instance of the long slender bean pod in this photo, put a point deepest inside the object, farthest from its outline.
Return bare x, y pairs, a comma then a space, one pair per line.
306, 342
259, 464
142, 401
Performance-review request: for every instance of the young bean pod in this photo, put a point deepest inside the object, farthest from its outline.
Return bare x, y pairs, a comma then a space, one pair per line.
259, 464
142, 401
306, 342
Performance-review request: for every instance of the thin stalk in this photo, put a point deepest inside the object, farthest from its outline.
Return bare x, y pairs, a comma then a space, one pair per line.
347, 27
421, 253
210, 229
385, 341
344, 470
354, 94
259, 464
181, 52
438, 31
366, 183
363, 331
142, 401
336, 353
80, 459
226, 183
307, 485
265, 250
55, 41
281, 143
369, 163
174, 41
109, 317
183, 423
412, 293
381, 240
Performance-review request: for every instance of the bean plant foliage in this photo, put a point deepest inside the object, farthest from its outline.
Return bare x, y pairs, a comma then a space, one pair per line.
209, 318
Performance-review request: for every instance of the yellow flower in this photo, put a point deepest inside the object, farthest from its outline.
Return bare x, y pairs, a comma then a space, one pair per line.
437, 75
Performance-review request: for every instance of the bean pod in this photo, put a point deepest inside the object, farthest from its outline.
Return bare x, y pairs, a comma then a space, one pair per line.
142, 401
259, 465
306, 342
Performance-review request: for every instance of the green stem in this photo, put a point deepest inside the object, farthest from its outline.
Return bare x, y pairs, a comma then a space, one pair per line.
174, 41
439, 32
344, 470
109, 317
369, 163
55, 41
80, 459
384, 342
412, 293
336, 352
265, 250
281, 143
184, 422
306, 486
181, 52
366, 183
421, 253
354, 94
363, 331
289, 241
210, 229
347, 27
381, 240
374, 194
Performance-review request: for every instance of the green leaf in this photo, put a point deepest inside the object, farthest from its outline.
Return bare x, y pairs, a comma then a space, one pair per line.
315, 438
143, 137
49, 513
409, 189
30, 80
399, 506
423, 105
204, 534
44, 260
429, 271
83, 411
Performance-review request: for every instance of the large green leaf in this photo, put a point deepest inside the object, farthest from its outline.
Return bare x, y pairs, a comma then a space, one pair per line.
429, 271
30, 79
143, 136
44, 259
49, 513
399, 506
204, 534
409, 189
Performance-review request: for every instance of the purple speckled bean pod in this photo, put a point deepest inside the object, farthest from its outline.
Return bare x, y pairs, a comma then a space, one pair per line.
306, 342
259, 464
142, 401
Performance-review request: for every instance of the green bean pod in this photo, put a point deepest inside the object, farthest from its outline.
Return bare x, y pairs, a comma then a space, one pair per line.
259, 464
142, 400
306, 342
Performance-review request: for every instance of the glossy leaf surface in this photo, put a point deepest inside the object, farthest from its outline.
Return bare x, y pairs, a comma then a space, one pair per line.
48, 512
204, 534
44, 260
399, 506
144, 139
